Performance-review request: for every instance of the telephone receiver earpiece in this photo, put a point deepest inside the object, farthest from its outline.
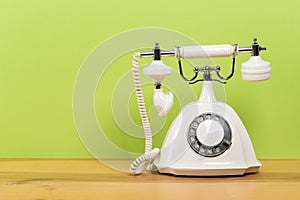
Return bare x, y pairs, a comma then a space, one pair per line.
256, 69
163, 102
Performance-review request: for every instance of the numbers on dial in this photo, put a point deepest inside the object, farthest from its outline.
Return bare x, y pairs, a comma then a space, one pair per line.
205, 149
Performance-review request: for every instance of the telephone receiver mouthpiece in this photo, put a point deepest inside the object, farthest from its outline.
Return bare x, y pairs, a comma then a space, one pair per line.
163, 102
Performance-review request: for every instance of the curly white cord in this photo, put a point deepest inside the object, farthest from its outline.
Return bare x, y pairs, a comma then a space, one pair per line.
145, 161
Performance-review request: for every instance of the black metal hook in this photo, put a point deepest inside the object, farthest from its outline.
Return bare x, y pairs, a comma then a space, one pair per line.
182, 75
206, 70
218, 69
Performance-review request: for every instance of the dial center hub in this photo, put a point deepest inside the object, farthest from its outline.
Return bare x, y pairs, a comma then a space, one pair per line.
210, 132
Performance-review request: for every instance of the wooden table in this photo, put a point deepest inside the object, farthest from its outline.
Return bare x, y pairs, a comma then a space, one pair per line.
63, 179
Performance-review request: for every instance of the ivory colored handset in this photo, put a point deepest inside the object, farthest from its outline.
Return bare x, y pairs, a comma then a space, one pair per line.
205, 51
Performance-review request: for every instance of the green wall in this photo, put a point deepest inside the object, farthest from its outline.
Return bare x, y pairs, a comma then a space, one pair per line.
44, 43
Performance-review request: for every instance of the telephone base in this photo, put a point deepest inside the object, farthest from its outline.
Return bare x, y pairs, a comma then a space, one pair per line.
182, 152
209, 172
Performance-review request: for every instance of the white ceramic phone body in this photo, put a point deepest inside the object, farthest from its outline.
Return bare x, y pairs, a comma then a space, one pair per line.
180, 152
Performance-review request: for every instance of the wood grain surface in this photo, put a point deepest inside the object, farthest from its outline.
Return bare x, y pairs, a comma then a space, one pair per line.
66, 179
